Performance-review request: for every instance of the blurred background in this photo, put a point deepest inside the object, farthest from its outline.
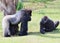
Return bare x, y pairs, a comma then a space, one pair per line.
40, 8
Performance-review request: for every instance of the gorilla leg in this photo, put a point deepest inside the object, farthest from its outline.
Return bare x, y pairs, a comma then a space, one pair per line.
42, 28
24, 25
42, 31
24, 28
13, 29
56, 24
6, 33
5, 26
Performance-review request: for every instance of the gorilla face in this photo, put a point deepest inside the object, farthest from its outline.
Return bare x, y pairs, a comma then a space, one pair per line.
28, 12
27, 15
44, 19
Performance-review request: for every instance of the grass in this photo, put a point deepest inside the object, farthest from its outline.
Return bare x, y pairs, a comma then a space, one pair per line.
33, 31
33, 28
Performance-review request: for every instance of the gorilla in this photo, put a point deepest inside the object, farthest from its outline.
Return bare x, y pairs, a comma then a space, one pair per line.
47, 25
13, 19
24, 23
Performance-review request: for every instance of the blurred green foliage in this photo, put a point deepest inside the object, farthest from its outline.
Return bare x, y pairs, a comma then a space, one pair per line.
19, 5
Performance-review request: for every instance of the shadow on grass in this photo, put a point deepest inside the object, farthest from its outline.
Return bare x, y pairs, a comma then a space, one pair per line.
48, 35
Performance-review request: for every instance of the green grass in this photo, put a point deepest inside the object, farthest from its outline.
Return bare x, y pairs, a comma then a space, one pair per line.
33, 31
33, 28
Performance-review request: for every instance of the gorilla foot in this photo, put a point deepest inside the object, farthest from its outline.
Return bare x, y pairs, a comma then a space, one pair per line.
23, 34
41, 31
7, 36
56, 24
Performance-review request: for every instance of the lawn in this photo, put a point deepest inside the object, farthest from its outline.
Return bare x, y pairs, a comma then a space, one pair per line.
34, 36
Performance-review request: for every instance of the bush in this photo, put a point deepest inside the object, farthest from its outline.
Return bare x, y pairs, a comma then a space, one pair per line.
19, 6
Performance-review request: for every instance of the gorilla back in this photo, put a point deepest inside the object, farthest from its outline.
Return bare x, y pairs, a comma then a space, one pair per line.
13, 19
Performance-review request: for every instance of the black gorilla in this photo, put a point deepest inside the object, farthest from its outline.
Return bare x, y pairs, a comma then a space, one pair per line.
14, 29
24, 23
47, 25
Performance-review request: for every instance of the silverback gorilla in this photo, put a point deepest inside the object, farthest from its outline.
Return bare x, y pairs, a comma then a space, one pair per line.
13, 28
13, 19
47, 25
24, 23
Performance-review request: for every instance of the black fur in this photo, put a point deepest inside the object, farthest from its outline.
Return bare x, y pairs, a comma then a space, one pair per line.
24, 23
47, 26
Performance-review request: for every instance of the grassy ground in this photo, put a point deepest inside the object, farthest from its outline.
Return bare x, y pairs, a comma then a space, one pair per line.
53, 12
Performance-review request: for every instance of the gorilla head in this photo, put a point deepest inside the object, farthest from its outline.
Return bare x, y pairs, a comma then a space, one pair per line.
44, 19
27, 15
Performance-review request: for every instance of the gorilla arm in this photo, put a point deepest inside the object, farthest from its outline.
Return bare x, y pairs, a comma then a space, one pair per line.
5, 26
42, 28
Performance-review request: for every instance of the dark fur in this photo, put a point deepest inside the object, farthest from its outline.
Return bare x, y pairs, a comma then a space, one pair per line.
48, 26
24, 23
